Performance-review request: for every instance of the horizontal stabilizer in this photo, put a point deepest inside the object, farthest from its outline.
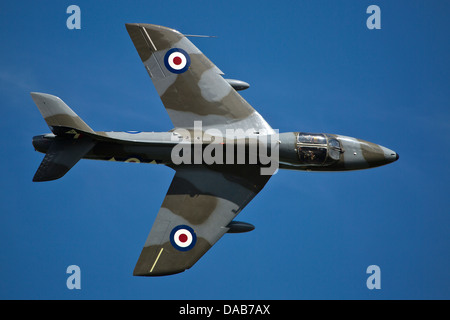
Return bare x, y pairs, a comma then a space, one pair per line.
61, 156
58, 115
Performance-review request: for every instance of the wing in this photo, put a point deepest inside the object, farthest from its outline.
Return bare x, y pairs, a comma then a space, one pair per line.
190, 86
199, 205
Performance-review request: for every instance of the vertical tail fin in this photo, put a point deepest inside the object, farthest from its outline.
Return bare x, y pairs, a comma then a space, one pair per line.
58, 115
61, 156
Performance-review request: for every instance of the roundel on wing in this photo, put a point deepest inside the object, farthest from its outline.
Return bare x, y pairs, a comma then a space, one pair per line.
177, 60
183, 238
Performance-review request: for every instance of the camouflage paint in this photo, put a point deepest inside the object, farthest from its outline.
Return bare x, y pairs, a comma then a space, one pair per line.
203, 197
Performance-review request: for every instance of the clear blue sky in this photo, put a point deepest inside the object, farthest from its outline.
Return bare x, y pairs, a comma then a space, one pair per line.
313, 66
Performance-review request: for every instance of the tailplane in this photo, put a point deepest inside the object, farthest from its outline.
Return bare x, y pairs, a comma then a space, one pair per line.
68, 145
59, 117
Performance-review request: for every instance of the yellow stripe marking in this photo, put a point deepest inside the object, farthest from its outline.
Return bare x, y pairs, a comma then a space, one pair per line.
149, 39
157, 258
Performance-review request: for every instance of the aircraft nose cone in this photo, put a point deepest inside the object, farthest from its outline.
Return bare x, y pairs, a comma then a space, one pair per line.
361, 154
390, 155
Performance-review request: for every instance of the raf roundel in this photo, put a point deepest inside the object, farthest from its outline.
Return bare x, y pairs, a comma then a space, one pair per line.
177, 60
183, 238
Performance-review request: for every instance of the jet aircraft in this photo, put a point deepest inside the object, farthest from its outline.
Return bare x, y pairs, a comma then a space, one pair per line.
204, 197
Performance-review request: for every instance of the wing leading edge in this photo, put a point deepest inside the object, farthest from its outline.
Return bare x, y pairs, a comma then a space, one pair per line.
200, 203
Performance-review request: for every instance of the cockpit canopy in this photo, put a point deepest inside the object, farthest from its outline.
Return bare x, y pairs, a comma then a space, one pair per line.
317, 149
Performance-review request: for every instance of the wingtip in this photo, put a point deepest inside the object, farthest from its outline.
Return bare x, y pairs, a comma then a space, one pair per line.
42, 94
150, 26
156, 274
35, 94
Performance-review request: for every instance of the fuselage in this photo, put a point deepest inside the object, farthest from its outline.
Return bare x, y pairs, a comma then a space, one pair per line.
294, 150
